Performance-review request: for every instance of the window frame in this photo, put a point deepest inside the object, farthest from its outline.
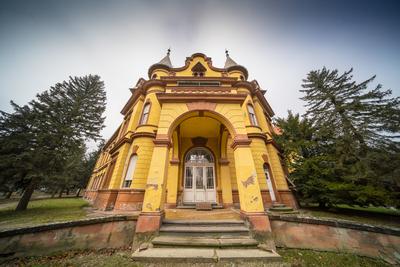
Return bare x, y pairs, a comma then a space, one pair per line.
128, 177
252, 115
142, 122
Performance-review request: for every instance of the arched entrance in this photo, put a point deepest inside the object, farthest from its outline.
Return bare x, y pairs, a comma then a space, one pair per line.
199, 178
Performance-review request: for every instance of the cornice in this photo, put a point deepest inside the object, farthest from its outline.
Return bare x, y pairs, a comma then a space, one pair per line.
240, 142
119, 144
272, 142
216, 98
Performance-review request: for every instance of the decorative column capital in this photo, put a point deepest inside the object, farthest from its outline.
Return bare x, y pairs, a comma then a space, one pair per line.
162, 140
223, 161
240, 141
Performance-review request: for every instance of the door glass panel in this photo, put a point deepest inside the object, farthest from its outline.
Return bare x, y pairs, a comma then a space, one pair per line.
210, 177
189, 178
199, 178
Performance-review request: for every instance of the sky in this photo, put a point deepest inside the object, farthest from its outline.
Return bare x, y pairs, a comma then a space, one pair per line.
43, 42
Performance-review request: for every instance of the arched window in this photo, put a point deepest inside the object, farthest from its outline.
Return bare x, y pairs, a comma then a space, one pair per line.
129, 172
145, 114
199, 155
252, 115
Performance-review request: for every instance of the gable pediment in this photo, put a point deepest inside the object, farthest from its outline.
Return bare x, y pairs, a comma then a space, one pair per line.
198, 68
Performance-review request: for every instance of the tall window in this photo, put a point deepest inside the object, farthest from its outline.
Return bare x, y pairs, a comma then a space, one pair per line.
129, 172
145, 115
269, 182
252, 115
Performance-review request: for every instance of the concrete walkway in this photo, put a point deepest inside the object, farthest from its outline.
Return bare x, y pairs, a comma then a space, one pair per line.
208, 255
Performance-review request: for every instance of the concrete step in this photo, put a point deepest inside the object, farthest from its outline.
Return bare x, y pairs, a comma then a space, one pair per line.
208, 255
207, 234
204, 222
278, 209
203, 229
193, 206
276, 205
189, 241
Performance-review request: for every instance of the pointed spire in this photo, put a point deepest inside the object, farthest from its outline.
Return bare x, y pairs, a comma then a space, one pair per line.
229, 61
166, 60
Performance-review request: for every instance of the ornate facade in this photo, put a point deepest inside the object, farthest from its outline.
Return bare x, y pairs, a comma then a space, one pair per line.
192, 134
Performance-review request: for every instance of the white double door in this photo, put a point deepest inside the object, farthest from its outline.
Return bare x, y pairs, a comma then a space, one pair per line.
199, 183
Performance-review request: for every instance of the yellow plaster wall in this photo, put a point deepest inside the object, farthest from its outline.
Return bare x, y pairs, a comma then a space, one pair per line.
235, 74
247, 180
234, 113
172, 181
232, 169
154, 196
209, 72
258, 148
144, 152
160, 73
116, 178
155, 109
262, 120
276, 168
169, 112
136, 112
245, 111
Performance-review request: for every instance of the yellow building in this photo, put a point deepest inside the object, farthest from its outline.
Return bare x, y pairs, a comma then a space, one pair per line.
191, 134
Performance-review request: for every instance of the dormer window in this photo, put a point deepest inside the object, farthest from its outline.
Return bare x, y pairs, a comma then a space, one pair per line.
198, 70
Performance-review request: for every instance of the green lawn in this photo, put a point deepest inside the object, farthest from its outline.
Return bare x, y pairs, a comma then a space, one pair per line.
41, 211
298, 258
369, 215
301, 257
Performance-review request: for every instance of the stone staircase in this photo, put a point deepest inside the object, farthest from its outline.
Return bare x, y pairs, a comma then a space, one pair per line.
193, 206
281, 208
206, 241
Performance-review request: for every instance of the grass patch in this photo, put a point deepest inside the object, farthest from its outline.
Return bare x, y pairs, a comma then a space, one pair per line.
105, 257
42, 211
369, 215
303, 258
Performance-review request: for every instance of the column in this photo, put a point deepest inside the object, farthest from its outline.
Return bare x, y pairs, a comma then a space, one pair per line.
226, 185
251, 204
153, 204
172, 183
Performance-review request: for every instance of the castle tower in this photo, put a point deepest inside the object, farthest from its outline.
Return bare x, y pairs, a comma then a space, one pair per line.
192, 134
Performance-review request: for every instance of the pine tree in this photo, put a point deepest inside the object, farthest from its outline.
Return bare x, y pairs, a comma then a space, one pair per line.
51, 128
354, 126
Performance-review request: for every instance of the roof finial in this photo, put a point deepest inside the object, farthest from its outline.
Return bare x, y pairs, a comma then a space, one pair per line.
226, 52
169, 51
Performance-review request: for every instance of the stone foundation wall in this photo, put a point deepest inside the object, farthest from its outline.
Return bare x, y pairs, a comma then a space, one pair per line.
286, 196
129, 199
332, 235
97, 233
105, 199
